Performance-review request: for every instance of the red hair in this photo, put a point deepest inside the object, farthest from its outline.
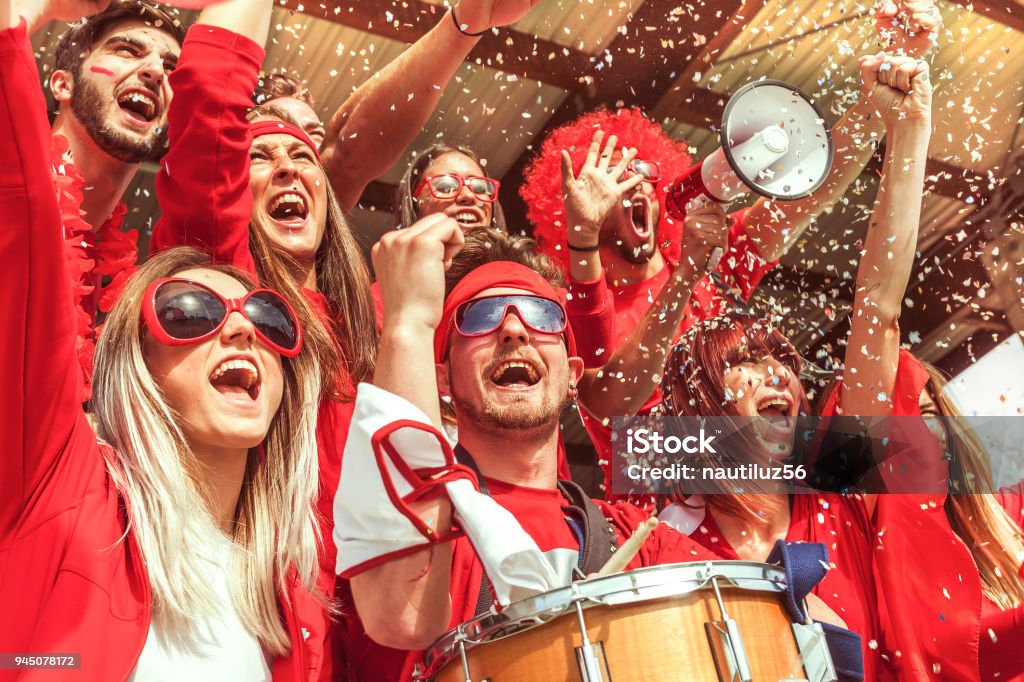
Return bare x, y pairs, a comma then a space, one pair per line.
542, 184
694, 386
694, 379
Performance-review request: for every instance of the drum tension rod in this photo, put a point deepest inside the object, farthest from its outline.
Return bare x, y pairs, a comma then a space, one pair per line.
586, 656
737, 654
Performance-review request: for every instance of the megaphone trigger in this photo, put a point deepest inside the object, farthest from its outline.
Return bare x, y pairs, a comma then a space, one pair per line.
696, 203
714, 259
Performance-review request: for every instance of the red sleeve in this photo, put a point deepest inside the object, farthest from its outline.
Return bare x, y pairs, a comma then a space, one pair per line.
665, 545
38, 366
203, 184
911, 377
592, 316
1002, 640
743, 265
1012, 500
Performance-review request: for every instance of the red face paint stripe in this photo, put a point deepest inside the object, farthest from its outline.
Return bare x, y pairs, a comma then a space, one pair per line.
100, 69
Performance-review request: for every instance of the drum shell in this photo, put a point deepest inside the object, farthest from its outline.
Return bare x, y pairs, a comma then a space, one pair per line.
646, 641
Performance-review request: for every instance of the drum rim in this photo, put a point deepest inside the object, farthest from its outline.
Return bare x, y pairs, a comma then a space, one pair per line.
476, 631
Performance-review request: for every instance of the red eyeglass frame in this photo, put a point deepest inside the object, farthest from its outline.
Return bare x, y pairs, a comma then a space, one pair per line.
657, 167
462, 183
231, 305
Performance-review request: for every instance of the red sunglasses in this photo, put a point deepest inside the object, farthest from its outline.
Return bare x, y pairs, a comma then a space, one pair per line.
448, 186
649, 169
181, 311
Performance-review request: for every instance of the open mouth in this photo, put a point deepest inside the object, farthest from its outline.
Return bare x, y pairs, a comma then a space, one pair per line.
515, 374
139, 106
237, 379
639, 217
289, 207
777, 408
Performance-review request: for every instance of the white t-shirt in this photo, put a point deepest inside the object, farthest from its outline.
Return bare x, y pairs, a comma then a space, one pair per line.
223, 650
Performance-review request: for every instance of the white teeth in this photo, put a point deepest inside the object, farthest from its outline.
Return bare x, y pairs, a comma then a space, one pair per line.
780, 403
503, 367
252, 374
466, 217
140, 97
289, 198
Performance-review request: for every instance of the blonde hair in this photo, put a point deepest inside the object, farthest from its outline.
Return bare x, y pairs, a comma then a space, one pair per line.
975, 515
274, 531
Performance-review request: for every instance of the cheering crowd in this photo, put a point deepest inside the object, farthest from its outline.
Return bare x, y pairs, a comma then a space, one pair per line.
242, 459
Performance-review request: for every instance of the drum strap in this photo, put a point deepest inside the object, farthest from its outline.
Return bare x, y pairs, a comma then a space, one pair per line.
597, 539
805, 564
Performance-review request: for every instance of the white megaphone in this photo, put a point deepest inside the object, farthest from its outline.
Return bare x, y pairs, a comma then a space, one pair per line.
774, 141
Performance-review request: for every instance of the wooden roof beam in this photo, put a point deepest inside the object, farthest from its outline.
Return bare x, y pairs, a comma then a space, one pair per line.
506, 50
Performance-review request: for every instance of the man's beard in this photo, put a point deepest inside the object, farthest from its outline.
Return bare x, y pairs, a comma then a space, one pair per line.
637, 255
520, 416
88, 106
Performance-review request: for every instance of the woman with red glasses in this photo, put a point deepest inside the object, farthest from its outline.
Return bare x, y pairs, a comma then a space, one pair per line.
449, 179
177, 539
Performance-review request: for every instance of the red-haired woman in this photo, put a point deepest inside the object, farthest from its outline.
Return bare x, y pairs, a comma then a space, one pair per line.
741, 367
929, 598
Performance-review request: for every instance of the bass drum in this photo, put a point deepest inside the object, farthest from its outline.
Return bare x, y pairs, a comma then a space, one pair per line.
700, 622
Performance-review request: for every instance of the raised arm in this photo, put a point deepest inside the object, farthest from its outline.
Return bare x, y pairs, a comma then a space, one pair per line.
405, 603
634, 370
900, 89
372, 128
203, 184
775, 226
38, 366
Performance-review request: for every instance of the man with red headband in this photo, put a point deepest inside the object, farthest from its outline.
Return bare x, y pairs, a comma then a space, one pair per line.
109, 80
623, 251
500, 349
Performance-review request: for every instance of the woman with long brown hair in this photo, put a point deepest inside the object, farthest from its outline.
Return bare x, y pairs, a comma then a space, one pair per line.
254, 194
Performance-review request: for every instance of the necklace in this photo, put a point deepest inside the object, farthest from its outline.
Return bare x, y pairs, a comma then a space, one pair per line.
99, 261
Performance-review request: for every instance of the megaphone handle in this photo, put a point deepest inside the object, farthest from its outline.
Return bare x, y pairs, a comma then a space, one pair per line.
714, 259
695, 204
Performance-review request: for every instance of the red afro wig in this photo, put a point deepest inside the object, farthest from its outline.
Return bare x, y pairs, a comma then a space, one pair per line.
542, 183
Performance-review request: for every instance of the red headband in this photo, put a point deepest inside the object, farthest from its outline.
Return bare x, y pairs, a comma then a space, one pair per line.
490, 276
278, 127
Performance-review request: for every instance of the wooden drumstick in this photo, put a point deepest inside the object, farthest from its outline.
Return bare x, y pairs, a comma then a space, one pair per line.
629, 549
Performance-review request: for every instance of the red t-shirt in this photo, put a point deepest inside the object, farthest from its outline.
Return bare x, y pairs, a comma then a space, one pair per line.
741, 269
540, 513
842, 524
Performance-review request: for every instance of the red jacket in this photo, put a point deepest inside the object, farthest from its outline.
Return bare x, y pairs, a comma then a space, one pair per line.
930, 608
71, 580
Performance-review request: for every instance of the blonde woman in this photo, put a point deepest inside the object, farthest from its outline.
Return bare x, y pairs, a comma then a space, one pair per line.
177, 540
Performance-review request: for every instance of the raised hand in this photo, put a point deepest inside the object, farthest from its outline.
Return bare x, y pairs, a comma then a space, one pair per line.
908, 27
593, 194
38, 12
898, 87
419, 254
479, 15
